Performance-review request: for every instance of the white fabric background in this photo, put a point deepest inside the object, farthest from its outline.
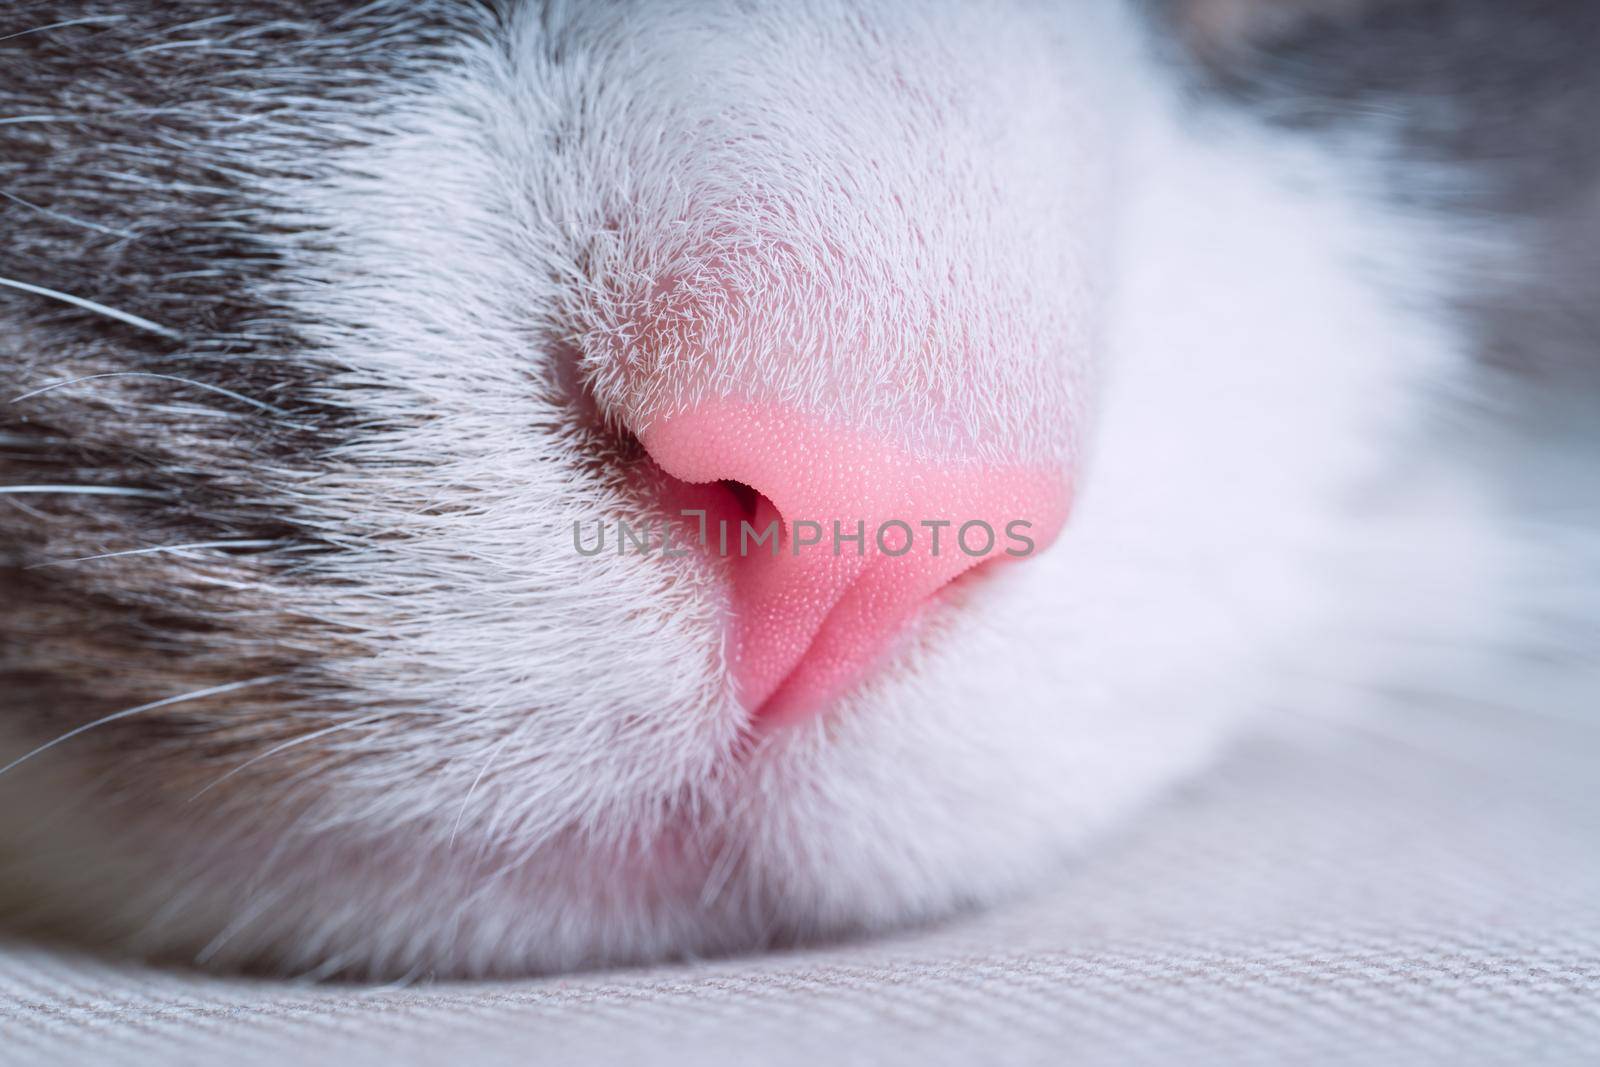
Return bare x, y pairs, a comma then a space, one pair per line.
1419, 887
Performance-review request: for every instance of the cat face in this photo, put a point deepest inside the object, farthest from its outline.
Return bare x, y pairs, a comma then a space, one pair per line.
364, 359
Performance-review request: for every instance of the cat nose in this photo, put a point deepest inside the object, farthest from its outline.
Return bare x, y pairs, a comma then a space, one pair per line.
843, 537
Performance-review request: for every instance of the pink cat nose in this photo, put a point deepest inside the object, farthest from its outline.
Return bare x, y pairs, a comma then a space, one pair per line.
850, 536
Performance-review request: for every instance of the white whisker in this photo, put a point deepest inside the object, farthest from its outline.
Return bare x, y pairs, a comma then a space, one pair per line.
487, 764
150, 374
84, 490
89, 305
291, 743
67, 218
155, 549
197, 694
88, 20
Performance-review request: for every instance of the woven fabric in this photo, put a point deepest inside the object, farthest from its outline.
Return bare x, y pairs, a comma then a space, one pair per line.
1421, 885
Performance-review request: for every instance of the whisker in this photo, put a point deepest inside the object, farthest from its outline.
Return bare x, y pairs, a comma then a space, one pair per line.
291, 743
487, 764
67, 218
88, 20
89, 305
198, 694
264, 406
18, 120
154, 549
85, 490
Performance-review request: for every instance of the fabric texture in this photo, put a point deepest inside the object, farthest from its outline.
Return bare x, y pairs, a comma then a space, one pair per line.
1420, 885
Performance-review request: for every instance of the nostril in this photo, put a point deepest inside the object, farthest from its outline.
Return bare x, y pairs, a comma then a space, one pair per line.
748, 500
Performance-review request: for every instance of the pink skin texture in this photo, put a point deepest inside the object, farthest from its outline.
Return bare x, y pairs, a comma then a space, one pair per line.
812, 610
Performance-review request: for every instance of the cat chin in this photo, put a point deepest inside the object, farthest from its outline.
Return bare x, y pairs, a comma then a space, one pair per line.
905, 806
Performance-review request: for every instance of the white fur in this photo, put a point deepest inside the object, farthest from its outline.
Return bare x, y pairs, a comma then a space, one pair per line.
547, 767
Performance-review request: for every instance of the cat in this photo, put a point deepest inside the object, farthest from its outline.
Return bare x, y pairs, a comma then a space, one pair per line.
335, 335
